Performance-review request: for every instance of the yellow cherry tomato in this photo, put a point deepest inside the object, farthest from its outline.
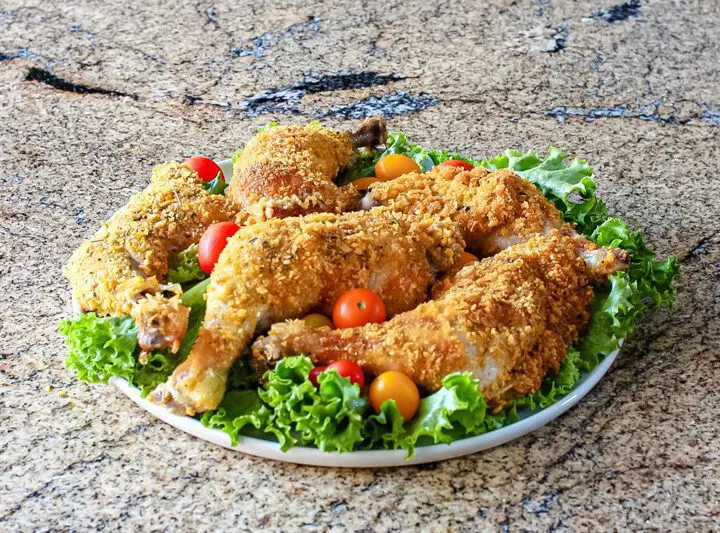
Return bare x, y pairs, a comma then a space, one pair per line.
363, 183
466, 258
395, 165
394, 385
316, 320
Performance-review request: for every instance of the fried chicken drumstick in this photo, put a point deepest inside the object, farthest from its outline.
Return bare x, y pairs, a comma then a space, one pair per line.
121, 269
495, 209
507, 319
285, 268
289, 170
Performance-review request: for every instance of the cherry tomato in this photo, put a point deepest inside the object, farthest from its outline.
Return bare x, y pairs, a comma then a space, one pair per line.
206, 168
456, 163
363, 183
393, 385
395, 165
349, 369
466, 258
358, 307
213, 242
316, 320
315, 373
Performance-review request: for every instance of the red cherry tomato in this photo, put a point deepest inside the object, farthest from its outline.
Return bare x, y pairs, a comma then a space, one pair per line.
358, 307
206, 168
213, 242
349, 369
456, 163
315, 372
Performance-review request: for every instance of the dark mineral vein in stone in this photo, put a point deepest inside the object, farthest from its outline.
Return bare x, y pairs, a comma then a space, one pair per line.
46, 77
287, 99
398, 103
648, 113
22, 53
257, 45
620, 12
560, 37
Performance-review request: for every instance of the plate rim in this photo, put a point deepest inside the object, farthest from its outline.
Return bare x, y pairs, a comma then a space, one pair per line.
375, 458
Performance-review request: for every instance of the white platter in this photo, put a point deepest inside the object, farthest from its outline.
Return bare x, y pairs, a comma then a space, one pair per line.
529, 421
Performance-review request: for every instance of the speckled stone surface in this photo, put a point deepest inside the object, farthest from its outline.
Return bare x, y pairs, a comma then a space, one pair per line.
93, 94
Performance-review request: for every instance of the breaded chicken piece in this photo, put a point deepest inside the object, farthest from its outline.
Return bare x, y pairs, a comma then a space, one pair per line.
495, 209
121, 269
507, 319
289, 170
286, 268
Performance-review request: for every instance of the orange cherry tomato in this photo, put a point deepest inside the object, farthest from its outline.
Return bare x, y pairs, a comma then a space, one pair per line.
213, 242
206, 168
393, 385
358, 307
456, 163
466, 258
395, 165
363, 183
316, 320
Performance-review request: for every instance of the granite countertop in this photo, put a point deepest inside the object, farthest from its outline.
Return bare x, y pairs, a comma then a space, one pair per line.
92, 96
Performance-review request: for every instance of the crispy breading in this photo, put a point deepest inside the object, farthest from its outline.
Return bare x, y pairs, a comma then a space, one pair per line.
507, 319
289, 170
495, 209
128, 256
286, 268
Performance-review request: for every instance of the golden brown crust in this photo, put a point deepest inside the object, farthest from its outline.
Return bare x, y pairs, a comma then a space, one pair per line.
495, 209
282, 269
289, 171
129, 255
507, 319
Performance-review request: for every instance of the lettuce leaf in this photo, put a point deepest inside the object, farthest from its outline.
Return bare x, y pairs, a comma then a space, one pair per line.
216, 185
455, 411
100, 347
329, 416
238, 409
653, 279
187, 267
384, 430
155, 371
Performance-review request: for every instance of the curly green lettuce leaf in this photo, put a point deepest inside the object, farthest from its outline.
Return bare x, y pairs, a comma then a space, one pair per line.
653, 278
553, 388
384, 430
194, 297
187, 267
455, 411
100, 347
328, 417
242, 375
216, 185
571, 187
238, 410
155, 371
